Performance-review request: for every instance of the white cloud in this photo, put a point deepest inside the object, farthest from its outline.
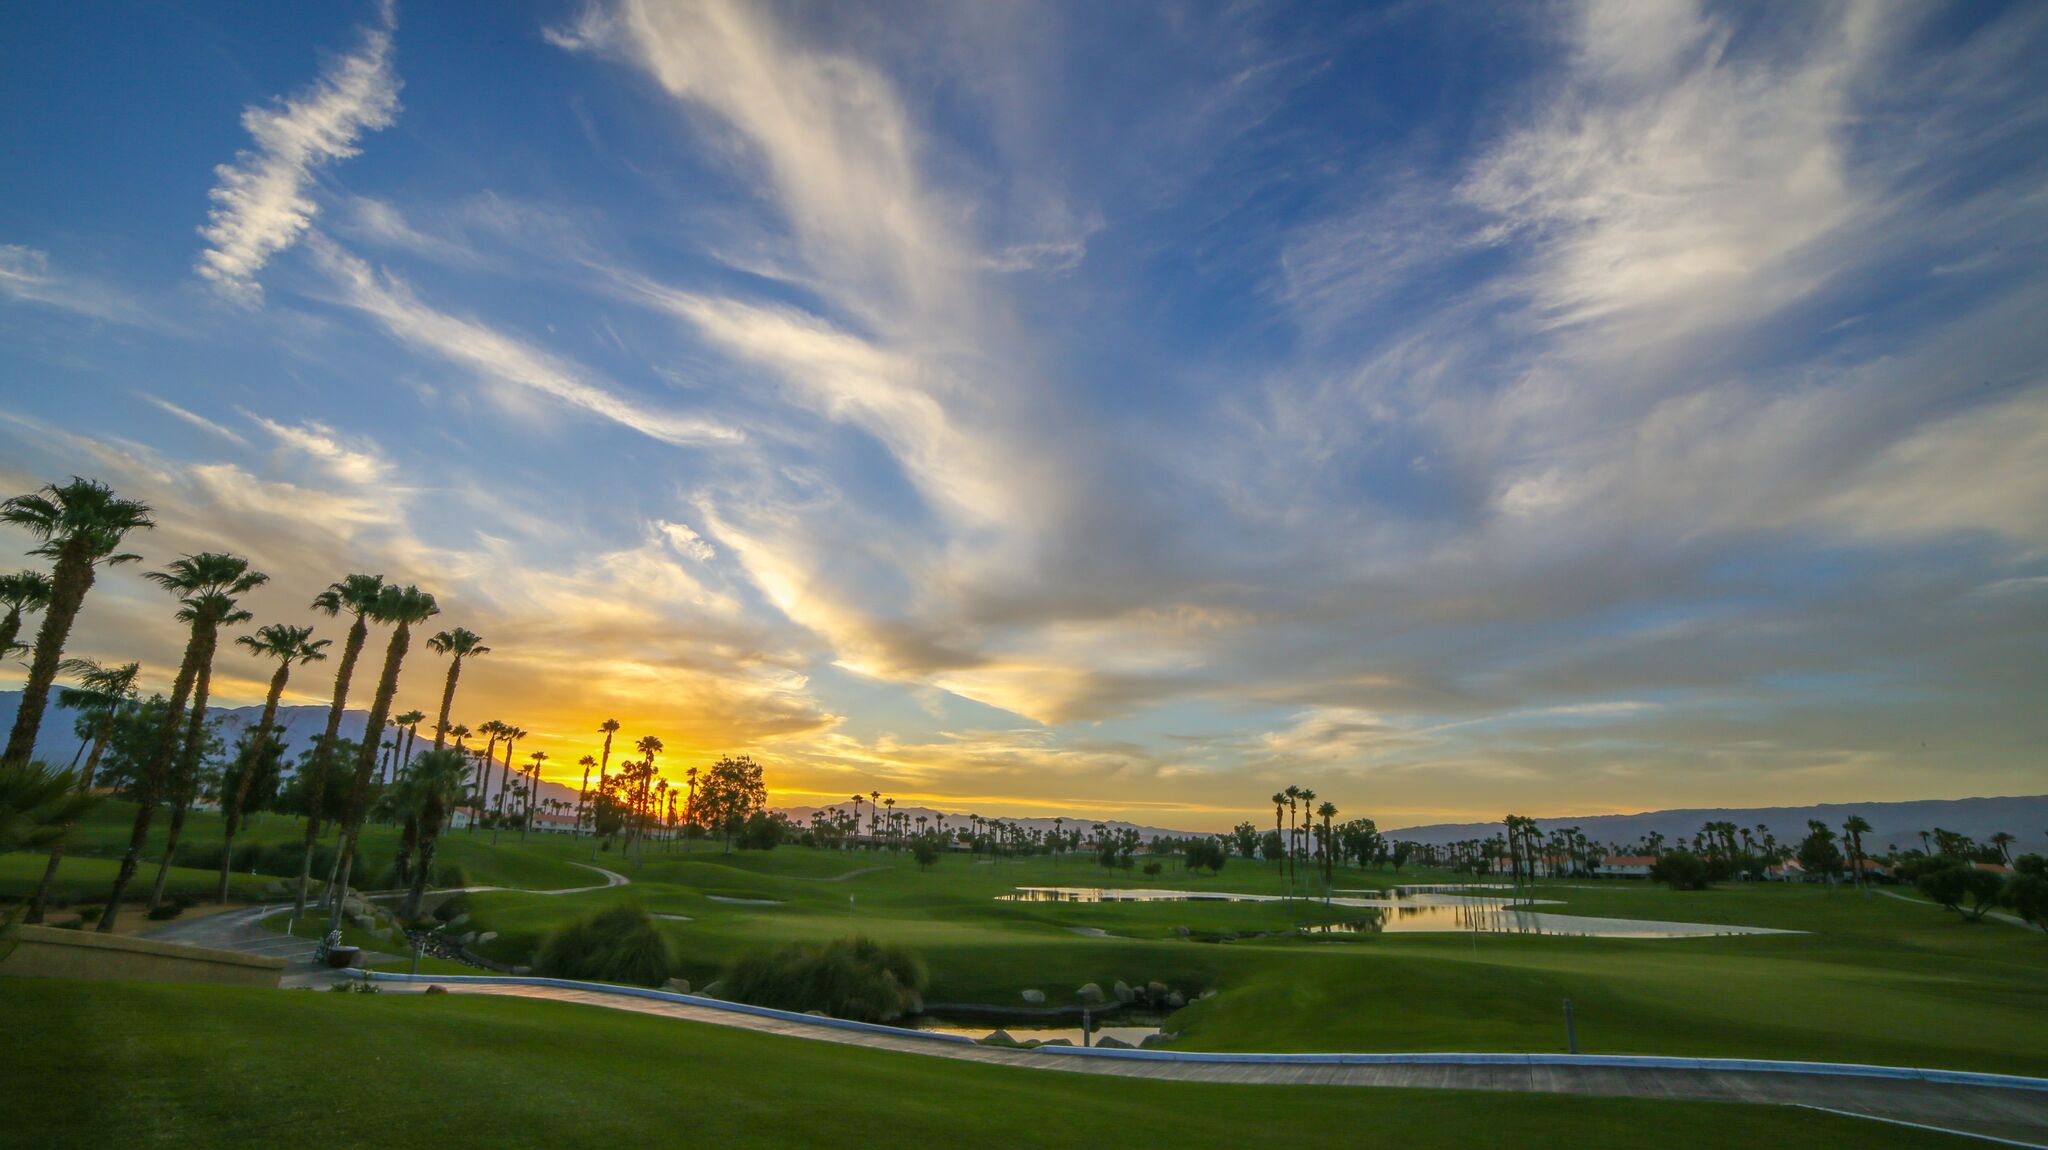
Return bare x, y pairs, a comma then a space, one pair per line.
198, 421
497, 357
262, 204
353, 460
26, 277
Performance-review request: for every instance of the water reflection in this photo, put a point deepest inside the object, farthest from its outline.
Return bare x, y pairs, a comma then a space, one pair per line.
1415, 909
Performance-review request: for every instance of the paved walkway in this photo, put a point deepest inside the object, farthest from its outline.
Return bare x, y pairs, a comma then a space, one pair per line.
2017, 1115
243, 931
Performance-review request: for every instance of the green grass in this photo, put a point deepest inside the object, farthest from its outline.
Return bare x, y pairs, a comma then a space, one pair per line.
89, 880
1873, 979
136, 1065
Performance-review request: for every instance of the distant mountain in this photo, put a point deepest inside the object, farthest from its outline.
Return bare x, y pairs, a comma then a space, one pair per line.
802, 816
1893, 824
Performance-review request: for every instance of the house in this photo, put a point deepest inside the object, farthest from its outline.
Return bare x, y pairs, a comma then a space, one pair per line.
1626, 866
1787, 871
1994, 868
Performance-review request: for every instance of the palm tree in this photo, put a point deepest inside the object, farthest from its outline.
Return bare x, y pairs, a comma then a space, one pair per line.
357, 595
458, 644
81, 525
98, 698
438, 783
1853, 830
610, 727
21, 592
2003, 840
538, 758
495, 730
648, 746
402, 607
1327, 812
411, 721
208, 586
511, 735
37, 803
583, 792
690, 812
290, 646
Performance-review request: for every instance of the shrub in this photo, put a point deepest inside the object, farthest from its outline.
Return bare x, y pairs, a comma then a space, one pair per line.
1680, 870
761, 832
1953, 886
1207, 854
2027, 894
925, 851
1152, 867
169, 909
847, 978
616, 945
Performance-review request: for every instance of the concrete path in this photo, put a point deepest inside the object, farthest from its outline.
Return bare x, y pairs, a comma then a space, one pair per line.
2009, 919
243, 931
2018, 1116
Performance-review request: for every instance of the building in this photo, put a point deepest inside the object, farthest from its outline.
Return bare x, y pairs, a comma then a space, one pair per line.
1627, 866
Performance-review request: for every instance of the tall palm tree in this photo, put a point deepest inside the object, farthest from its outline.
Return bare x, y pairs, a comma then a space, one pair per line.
437, 784
20, 593
184, 778
458, 644
1327, 812
403, 608
538, 757
411, 721
357, 595
2003, 841
81, 525
290, 646
208, 586
648, 746
98, 699
690, 812
511, 735
492, 730
583, 792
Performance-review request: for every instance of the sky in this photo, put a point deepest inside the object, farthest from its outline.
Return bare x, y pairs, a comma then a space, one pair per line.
1127, 409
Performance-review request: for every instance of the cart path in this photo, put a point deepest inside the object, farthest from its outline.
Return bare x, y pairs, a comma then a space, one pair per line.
2014, 1115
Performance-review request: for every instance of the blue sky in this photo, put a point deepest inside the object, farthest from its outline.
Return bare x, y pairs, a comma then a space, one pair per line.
1120, 408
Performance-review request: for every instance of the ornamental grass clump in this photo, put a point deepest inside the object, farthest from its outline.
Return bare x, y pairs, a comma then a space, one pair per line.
617, 945
854, 978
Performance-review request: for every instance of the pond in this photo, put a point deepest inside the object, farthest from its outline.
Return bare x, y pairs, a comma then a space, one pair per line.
1130, 1028
1432, 909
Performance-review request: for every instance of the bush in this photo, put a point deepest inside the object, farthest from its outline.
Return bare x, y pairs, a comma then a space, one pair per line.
761, 832
847, 978
925, 851
617, 945
1680, 870
169, 909
2027, 894
1207, 854
1152, 867
1954, 885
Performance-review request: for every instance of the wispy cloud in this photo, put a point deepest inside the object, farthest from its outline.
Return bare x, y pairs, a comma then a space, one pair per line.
499, 358
263, 204
198, 421
27, 277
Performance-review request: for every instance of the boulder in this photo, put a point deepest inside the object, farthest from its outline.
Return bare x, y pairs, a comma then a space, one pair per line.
1000, 1038
468, 937
363, 921
1123, 992
459, 919
276, 889
1152, 1040
678, 985
1176, 999
486, 937
437, 990
1057, 1042
1034, 997
1090, 993
711, 990
1156, 991
1209, 993
1111, 1042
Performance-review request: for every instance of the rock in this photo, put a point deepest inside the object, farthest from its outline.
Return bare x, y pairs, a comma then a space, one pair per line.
468, 937
1091, 993
459, 919
486, 937
1176, 999
1209, 993
1123, 992
678, 985
363, 922
1156, 991
437, 990
276, 890
1034, 997
1182, 931
1000, 1038
1110, 1042
1057, 1042
1152, 1040
711, 991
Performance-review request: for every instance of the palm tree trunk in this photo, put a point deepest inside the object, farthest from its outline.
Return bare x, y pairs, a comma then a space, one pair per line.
430, 841
9, 628
41, 901
186, 781
366, 761
447, 701
323, 754
70, 579
250, 765
153, 776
